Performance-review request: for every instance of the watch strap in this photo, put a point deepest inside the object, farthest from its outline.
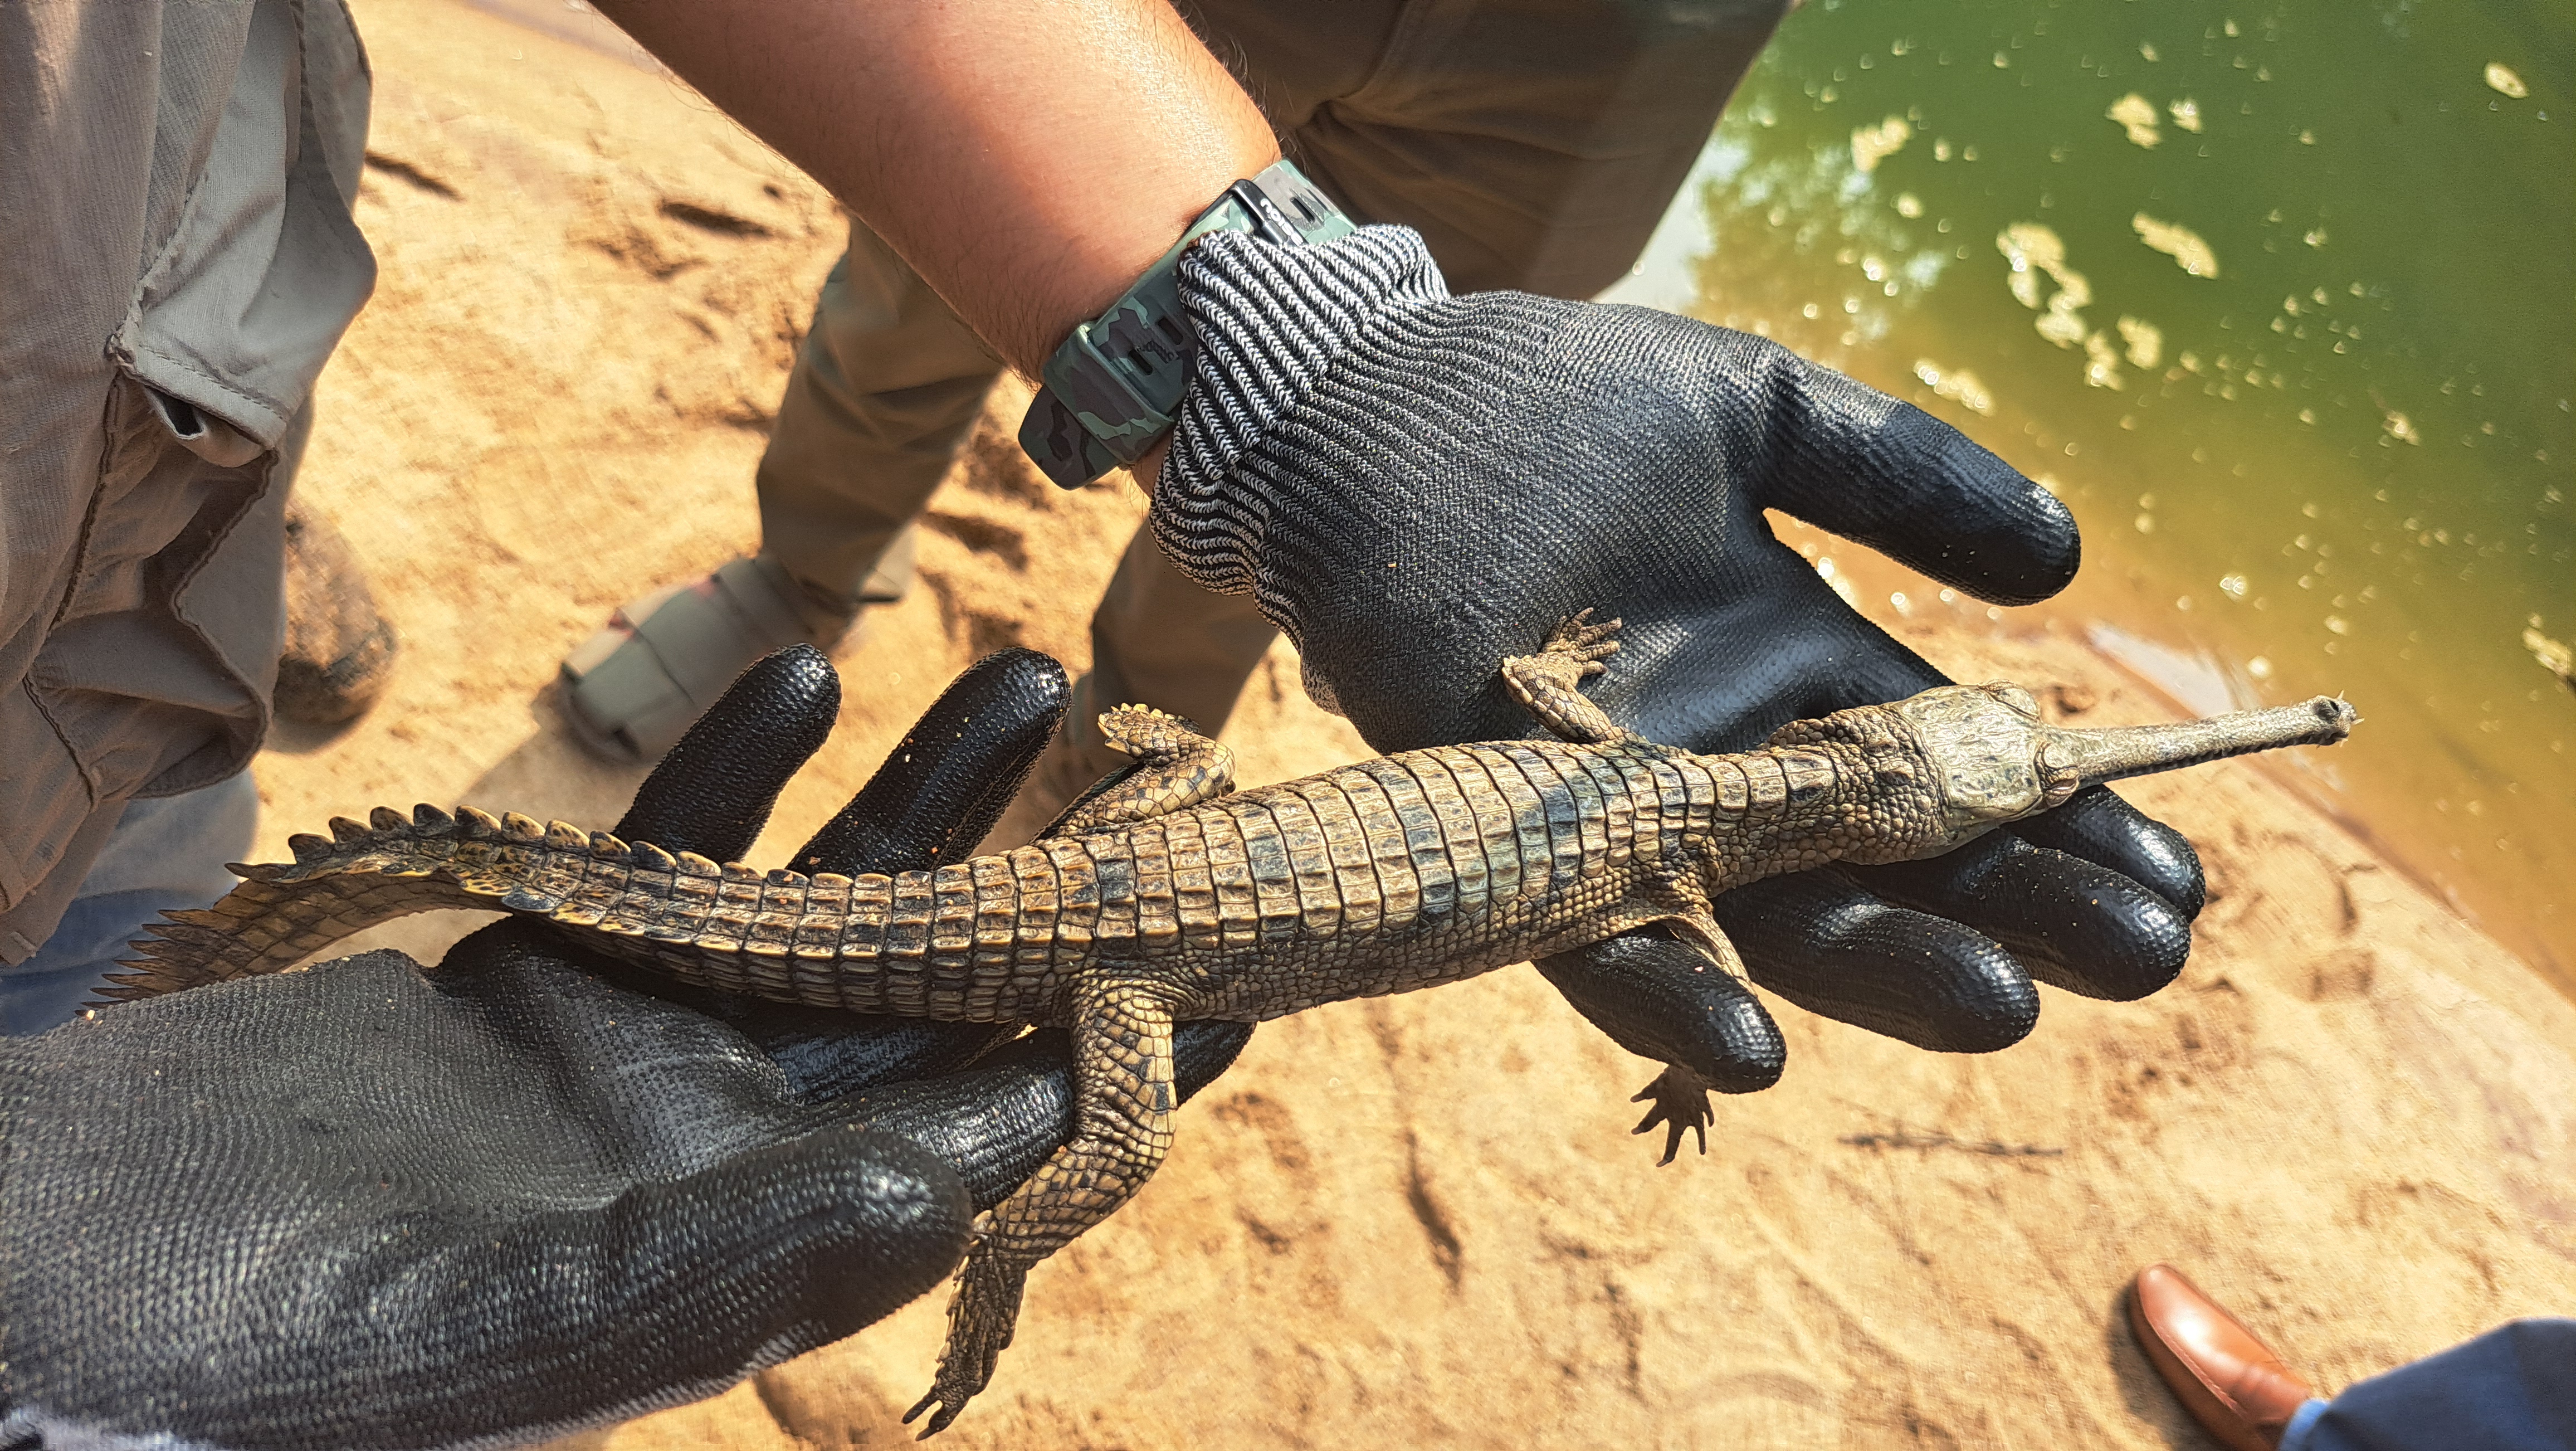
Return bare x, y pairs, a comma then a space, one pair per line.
1115, 385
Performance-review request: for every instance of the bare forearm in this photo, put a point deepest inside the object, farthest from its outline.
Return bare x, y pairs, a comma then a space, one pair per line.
1028, 159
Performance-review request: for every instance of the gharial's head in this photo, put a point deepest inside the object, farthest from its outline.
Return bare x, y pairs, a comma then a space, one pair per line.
1969, 758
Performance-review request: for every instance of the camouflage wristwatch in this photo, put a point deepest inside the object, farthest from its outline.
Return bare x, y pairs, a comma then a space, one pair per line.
1116, 384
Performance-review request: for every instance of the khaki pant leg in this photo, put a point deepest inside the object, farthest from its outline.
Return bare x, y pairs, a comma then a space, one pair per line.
1535, 144
1162, 639
884, 390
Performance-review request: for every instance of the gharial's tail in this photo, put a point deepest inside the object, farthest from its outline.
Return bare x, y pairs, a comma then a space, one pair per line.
360, 876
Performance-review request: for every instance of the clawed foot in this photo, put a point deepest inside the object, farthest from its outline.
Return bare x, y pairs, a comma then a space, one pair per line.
1681, 1102
1142, 731
979, 1325
1586, 643
1549, 684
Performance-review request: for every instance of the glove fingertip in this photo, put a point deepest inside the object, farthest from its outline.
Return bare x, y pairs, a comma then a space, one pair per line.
2102, 828
2080, 926
950, 777
2010, 541
1840, 952
713, 791
1658, 998
1901, 481
2069, 921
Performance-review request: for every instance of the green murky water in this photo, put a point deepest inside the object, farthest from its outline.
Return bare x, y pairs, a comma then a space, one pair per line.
2278, 299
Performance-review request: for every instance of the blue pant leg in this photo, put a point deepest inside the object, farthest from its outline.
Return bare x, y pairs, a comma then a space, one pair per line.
165, 854
2511, 1389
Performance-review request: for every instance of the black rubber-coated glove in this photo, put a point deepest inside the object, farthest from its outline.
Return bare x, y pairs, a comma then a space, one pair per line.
1415, 486
362, 1207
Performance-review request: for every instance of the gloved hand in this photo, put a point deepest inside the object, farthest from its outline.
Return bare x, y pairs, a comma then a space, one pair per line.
360, 1207
1415, 486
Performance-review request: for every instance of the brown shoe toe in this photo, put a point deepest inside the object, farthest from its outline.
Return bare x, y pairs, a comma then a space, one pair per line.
2231, 1382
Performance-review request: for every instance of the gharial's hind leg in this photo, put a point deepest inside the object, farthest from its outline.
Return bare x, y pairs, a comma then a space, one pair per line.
1549, 684
1678, 1098
1122, 1127
1176, 768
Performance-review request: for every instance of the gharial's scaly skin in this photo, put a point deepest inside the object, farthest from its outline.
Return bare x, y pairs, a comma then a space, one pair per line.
1161, 898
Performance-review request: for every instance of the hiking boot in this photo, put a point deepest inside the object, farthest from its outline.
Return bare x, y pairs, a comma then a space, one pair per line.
339, 652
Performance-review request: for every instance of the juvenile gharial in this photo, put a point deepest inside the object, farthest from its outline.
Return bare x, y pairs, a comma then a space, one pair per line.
1160, 897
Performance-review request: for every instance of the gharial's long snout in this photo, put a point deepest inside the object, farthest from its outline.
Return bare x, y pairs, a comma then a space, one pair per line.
1993, 760
2096, 756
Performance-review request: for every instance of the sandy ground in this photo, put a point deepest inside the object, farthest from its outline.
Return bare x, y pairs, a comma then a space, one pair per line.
1417, 1221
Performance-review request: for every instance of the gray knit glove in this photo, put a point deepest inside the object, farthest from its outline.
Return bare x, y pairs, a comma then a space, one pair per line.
1415, 486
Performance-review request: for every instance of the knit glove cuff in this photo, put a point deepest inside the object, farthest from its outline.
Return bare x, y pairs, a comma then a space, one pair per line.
1271, 322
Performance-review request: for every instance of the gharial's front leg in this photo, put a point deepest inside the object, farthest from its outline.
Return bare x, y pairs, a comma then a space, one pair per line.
1123, 1099
1549, 684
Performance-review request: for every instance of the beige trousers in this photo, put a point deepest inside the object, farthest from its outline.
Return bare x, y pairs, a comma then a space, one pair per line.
1534, 144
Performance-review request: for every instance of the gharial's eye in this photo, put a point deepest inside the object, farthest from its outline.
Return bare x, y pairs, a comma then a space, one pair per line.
2014, 696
